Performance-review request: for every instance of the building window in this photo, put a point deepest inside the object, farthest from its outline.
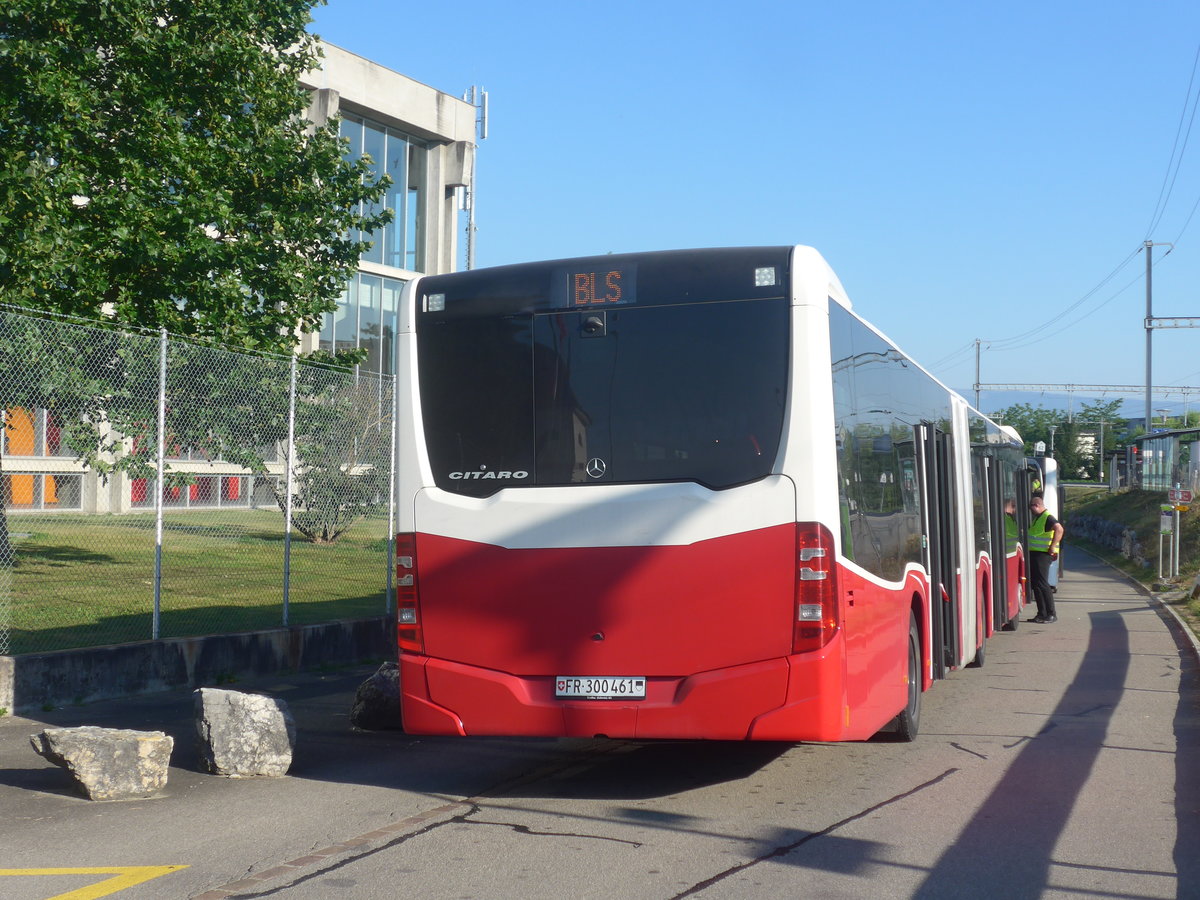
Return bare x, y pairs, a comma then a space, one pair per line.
365, 318
33, 433
36, 491
206, 492
400, 243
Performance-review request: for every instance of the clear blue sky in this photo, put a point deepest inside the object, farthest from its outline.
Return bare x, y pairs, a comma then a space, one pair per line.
969, 170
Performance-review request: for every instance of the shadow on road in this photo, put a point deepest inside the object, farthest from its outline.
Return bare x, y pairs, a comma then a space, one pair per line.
1016, 829
1187, 769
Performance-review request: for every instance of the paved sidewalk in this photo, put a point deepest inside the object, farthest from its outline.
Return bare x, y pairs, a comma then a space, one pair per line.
1129, 720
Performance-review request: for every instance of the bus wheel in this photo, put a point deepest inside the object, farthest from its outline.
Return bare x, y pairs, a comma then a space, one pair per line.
980, 657
1011, 624
908, 722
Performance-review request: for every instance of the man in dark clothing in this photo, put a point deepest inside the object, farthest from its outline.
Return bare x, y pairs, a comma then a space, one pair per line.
1045, 537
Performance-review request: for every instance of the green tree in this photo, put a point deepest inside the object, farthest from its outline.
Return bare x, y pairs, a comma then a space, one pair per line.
1050, 426
235, 406
1103, 419
157, 170
156, 167
1064, 433
1032, 423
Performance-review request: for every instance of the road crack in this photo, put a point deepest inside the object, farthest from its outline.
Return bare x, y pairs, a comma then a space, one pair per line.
784, 849
525, 829
245, 888
958, 746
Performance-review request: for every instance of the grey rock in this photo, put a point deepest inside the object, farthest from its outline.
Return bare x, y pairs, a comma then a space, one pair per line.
377, 701
109, 763
242, 735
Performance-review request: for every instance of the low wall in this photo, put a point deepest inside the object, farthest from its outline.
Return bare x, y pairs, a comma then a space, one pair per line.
36, 681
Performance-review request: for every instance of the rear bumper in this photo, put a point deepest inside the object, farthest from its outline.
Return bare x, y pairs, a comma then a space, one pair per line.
790, 698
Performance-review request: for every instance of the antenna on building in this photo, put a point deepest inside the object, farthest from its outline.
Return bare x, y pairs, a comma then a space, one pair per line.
478, 98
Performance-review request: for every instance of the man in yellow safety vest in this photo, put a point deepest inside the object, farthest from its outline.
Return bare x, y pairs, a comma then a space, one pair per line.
1045, 537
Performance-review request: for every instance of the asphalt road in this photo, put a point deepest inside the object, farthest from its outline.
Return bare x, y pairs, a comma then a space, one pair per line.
1067, 766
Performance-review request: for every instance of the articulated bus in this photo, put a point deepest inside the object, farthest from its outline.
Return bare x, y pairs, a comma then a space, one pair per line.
685, 494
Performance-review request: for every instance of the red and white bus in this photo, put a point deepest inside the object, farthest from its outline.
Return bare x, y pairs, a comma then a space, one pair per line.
685, 494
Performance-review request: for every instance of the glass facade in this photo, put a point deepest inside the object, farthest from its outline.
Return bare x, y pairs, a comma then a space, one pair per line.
43, 491
208, 492
365, 317
38, 433
34, 432
402, 158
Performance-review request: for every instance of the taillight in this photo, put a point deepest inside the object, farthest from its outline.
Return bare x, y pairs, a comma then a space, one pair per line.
816, 613
408, 607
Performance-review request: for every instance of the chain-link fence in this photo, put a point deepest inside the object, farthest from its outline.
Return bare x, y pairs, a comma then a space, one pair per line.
151, 487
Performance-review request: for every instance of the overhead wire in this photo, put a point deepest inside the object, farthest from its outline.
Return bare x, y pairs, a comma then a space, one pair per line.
1188, 220
1183, 131
954, 355
1017, 339
1049, 334
1177, 153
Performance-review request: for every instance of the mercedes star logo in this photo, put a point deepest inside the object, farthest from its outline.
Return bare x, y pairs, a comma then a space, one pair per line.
596, 467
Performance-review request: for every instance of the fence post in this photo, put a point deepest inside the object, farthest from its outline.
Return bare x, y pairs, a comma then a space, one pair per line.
160, 464
391, 535
7, 554
287, 515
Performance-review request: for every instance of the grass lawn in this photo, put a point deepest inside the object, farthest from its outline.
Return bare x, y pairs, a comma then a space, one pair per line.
88, 580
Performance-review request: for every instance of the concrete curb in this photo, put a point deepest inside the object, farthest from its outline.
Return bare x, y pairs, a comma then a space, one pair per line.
1184, 627
6, 686
37, 681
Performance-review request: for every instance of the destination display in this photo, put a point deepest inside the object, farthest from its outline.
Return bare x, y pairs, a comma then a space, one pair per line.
602, 287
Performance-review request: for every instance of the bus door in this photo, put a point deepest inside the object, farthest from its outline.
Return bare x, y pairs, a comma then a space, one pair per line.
941, 546
1055, 503
998, 545
1029, 478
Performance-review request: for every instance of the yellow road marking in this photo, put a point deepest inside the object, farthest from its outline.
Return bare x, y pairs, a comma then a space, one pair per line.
123, 877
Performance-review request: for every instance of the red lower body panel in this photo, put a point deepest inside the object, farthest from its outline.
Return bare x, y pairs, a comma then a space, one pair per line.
791, 698
1016, 580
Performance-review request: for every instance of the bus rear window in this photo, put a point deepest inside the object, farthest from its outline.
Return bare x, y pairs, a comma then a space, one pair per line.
681, 392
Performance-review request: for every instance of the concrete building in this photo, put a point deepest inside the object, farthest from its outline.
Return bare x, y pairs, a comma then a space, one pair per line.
425, 140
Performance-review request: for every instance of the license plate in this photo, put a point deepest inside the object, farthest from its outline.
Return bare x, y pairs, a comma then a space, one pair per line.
600, 688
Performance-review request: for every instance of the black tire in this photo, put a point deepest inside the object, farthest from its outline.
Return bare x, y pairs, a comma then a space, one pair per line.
909, 721
980, 657
1011, 624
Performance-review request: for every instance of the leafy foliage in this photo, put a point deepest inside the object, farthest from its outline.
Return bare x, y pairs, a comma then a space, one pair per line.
1074, 438
157, 170
155, 164
343, 453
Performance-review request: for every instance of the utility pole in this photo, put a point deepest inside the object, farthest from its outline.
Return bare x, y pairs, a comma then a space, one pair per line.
1151, 325
1149, 332
478, 98
977, 373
